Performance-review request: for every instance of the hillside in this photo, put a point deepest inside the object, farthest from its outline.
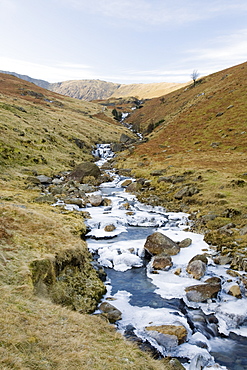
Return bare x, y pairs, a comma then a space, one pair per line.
45, 130
47, 283
85, 89
146, 91
195, 156
89, 90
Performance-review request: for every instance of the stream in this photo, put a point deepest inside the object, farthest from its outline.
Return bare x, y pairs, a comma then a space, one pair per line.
217, 329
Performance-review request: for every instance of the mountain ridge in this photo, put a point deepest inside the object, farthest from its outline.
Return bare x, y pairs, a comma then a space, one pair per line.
88, 90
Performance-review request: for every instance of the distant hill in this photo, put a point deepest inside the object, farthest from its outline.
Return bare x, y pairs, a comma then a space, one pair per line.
85, 89
97, 90
41, 83
147, 91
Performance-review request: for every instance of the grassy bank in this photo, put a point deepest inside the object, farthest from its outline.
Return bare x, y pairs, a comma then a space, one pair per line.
48, 286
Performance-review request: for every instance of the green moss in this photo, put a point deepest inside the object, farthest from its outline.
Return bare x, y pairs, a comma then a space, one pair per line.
69, 280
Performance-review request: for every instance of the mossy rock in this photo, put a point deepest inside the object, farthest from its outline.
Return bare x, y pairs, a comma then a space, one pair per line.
68, 279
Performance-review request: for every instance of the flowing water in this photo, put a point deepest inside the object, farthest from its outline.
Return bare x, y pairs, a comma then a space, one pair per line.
217, 330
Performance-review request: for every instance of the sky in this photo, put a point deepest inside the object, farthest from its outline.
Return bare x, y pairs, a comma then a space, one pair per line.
123, 41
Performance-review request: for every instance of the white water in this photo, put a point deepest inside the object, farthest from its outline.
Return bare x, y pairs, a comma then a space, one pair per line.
122, 253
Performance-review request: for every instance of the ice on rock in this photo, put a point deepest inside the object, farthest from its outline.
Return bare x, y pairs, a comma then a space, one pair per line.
146, 219
125, 261
231, 315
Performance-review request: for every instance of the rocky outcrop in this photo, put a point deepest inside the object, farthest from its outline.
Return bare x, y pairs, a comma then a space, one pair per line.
158, 243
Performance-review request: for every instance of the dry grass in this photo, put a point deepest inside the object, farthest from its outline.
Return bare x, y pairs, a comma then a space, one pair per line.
37, 136
199, 130
35, 333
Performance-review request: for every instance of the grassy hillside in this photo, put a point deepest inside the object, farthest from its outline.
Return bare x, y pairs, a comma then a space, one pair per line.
89, 90
85, 89
43, 259
146, 91
47, 131
197, 137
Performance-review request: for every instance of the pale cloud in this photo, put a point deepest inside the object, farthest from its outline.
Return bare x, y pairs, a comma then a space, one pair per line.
231, 48
53, 72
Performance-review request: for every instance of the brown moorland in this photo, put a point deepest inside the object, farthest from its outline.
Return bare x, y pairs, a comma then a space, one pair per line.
46, 133
195, 155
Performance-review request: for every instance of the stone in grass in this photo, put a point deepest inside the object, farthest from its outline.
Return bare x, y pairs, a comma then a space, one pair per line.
110, 312
44, 179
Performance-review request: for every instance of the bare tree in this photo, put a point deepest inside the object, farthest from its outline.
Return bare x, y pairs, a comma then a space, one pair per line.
194, 75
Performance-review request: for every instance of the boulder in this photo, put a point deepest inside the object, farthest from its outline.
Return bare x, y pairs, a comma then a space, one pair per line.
84, 169
95, 200
178, 271
117, 147
185, 243
186, 191
158, 243
110, 228
77, 201
107, 202
203, 292
243, 230
126, 183
125, 139
201, 257
133, 187
197, 269
56, 189
165, 340
235, 291
161, 262
44, 179
222, 260
111, 312
86, 188
178, 331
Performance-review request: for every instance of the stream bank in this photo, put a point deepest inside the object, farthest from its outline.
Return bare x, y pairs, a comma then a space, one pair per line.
216, 327
148, 300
